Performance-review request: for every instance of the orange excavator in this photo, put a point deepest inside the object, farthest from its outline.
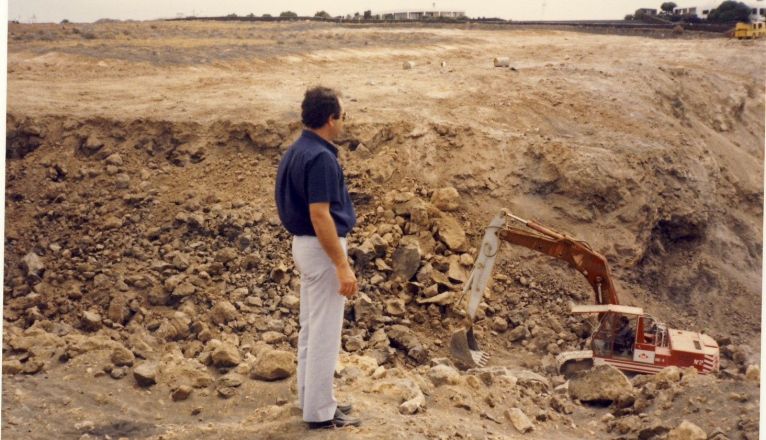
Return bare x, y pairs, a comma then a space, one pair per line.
625, 336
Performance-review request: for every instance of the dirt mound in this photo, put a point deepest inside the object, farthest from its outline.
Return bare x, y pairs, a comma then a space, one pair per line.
111, 245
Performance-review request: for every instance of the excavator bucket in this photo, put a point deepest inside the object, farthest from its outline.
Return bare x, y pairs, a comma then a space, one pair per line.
465, 350
463, 345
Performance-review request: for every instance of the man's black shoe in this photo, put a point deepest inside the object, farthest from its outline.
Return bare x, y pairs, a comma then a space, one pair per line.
346, 409
338, 421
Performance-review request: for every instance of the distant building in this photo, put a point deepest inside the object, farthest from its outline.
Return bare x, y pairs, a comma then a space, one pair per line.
757, 10
646, 11
702, 9
419, 14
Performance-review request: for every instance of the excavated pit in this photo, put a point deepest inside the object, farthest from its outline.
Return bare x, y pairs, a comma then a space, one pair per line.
151, 229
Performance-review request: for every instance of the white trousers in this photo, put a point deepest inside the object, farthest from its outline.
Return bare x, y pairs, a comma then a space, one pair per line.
321, 321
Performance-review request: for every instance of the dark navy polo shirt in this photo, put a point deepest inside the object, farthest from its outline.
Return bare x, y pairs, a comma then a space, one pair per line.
309, 172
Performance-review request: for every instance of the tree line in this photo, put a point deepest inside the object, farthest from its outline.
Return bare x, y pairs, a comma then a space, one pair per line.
729, 11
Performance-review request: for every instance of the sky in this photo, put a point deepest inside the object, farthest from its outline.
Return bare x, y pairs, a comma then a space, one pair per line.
91, 10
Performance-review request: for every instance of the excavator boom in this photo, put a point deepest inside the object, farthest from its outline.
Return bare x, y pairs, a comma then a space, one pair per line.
578, 254
590, 264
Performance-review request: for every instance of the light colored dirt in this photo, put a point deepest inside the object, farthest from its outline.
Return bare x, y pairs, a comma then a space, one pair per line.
651, 150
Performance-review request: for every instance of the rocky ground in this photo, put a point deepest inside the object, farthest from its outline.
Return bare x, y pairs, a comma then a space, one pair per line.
148, 286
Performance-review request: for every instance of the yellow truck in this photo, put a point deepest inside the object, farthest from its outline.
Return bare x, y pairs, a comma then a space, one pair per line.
750, 30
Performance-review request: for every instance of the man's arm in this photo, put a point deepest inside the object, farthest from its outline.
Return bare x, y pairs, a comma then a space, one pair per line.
324, 226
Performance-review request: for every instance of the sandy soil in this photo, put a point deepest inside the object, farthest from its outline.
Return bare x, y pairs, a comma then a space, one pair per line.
651, 150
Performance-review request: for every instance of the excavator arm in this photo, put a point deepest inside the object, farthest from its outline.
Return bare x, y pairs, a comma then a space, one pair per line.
578, 254
590, 264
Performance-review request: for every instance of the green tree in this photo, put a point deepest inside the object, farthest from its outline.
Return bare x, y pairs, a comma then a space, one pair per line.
322, 14
668, 7
288, 14
367, 14
730, 11
266, 15
628, 17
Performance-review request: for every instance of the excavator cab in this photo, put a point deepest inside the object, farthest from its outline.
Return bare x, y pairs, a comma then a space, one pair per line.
650, 332
617, 332
615, 335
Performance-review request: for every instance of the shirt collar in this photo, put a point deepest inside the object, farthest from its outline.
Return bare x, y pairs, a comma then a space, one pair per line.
310, 134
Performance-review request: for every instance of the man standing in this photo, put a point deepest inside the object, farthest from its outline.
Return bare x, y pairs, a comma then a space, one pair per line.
314, 205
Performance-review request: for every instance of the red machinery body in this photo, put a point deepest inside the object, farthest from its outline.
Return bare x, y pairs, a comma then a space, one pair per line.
625, 337
653, 347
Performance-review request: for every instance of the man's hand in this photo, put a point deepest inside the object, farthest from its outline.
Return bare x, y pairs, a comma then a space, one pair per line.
347, 280
324, 226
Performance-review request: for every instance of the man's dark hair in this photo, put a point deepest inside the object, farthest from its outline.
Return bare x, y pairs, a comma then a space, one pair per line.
318, 105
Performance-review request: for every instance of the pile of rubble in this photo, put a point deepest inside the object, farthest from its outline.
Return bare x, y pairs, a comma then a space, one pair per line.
187, 291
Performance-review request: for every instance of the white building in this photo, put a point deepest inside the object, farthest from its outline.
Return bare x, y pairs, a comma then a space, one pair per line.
757, 10
699, 8
419, 14
702, 8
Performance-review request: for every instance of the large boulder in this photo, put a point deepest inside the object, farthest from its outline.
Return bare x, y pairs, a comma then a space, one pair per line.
182, 392
226, 355
183, 289
403, 338
175, 327
451, 233
146, 374
273, 365
273, 337
178, 371
687, 431
519, 420
395, 307
753, 373
519, 333
226, 255
122, 357
406, 261
32, 265
456, 271
366, 364
363, 254
668, 375
405, 391
602, 383
13, 366
444, 375
223, 312
118, 310
91, 320
446, 199
416, 209
364, 308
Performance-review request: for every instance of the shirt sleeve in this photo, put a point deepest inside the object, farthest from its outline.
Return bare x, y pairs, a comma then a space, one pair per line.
322, 180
